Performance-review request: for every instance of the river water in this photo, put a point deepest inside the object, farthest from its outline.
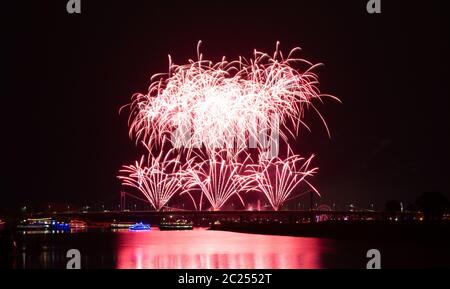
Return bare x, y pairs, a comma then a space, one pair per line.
201, 248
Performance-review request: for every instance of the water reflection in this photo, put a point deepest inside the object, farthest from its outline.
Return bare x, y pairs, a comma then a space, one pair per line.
101, 248
216, 250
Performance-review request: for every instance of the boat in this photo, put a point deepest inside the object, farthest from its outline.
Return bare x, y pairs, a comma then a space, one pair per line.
77, 224
139, 227
60, 226
175, 225
35, 224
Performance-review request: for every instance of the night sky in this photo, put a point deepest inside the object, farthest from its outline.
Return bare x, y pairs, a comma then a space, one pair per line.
67, 76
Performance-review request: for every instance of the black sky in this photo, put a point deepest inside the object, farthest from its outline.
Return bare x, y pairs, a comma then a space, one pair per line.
68, 75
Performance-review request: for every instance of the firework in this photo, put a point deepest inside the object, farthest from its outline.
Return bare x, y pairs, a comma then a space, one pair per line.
224, 104
278, 178
217, 178
213, 111
157, 178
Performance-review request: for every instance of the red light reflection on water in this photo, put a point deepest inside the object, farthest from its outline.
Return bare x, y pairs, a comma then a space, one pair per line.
216, 250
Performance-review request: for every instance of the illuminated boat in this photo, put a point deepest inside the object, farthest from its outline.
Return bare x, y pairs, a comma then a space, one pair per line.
35, 224
140, 227
176, 225
60, 226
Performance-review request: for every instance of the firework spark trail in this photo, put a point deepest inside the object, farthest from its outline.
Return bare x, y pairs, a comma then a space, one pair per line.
220, 103
277, 178
217, 178
157, 179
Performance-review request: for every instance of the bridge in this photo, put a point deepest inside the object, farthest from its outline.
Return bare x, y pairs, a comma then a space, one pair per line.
237, 216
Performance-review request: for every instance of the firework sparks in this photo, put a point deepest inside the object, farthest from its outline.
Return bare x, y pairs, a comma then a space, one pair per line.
277, 178
221, 108
218, 178
224, 104
158, 179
